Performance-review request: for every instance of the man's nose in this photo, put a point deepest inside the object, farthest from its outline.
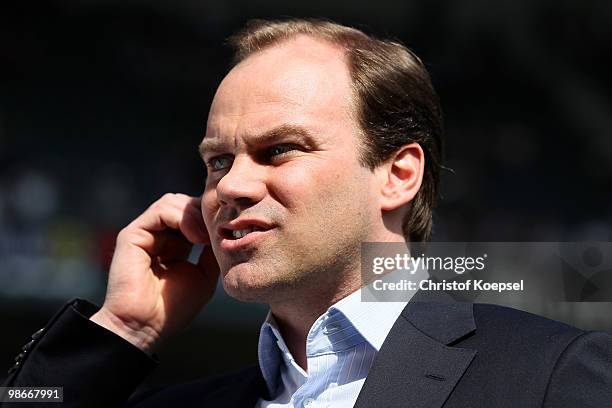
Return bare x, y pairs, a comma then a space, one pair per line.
243, 185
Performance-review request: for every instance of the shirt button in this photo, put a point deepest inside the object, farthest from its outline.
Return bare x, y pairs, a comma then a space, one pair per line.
38, 334
28, 346
330, 329
309, 403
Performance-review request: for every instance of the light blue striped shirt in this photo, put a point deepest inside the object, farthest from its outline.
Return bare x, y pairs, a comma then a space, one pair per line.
340, 349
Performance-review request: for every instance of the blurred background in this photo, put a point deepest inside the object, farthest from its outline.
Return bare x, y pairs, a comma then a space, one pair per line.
103, 103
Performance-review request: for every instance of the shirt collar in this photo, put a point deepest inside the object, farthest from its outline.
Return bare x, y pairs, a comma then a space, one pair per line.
271, 351
370, 321
373, 320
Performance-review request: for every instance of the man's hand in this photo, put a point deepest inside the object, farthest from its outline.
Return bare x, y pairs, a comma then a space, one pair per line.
153, 291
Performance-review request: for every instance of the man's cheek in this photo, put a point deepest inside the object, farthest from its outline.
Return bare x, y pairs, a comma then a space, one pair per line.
293, 186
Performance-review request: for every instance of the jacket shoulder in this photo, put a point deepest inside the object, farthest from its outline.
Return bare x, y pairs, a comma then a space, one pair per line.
512, 323
521, 358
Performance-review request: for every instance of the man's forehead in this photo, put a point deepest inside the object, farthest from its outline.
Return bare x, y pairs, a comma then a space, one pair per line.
302, 47
296, 81
298, 70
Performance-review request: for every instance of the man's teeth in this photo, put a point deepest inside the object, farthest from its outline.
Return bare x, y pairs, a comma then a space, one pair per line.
241, 233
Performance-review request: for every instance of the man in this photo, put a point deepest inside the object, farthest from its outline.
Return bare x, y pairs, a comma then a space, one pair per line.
320, 138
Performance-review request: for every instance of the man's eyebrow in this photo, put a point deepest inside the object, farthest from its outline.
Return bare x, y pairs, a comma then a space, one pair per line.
278, 133
210, 145
283, 132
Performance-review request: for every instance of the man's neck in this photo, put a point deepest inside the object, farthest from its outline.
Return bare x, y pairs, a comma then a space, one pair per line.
296, 315
295, 319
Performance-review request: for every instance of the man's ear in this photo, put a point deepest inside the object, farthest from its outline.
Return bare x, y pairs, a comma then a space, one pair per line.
401, 176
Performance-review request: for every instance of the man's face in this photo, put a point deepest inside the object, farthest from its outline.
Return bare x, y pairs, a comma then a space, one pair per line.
281, 147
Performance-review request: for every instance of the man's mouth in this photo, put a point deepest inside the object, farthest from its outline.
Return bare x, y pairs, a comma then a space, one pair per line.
242, 232
237, 234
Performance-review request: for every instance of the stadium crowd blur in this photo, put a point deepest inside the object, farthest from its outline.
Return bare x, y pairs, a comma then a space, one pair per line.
103, 102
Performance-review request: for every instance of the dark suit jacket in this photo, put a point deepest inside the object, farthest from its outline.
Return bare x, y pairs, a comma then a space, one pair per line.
447, 355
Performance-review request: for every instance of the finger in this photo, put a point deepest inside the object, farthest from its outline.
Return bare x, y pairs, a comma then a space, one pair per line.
175, 211
191, 222
171, 245
194, 222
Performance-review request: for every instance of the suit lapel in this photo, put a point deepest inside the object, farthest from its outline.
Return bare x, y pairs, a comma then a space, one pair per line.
415, 366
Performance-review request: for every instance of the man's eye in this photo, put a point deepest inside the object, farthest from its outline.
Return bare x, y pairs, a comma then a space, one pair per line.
220, 163
281, 149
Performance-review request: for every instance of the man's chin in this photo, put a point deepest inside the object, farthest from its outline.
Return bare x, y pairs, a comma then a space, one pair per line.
247, 282
246, 293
